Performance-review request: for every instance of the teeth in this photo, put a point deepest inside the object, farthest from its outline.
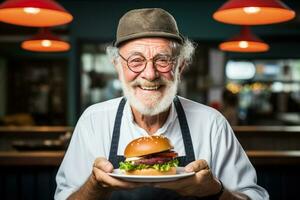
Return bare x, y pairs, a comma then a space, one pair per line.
149, 87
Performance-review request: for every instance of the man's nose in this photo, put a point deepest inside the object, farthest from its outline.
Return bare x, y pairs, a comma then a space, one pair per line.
150, 72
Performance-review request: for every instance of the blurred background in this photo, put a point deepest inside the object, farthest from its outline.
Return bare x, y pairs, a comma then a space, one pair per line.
42, 94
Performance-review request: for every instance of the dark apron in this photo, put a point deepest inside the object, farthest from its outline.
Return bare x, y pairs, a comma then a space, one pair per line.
149, 193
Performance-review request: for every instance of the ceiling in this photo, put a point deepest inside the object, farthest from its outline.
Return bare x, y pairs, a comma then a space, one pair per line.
13, 33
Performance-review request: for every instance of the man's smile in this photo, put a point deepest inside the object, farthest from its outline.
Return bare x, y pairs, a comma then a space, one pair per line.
145, 87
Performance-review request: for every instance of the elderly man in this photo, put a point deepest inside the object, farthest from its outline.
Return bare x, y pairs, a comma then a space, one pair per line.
149, 55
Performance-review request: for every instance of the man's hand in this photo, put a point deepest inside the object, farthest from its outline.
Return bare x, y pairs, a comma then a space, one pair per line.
100, 185
203, 183
100, 169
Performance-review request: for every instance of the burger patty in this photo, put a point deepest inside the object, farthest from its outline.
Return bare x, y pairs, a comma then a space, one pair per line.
153, 160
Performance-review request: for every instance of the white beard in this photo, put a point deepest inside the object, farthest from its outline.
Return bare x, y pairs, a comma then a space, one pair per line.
159, 103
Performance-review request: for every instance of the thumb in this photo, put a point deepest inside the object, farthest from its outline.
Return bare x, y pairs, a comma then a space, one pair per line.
189, 168
196, 166
103, 164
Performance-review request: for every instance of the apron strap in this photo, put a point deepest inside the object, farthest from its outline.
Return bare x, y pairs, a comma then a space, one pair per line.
185, 131
116, 135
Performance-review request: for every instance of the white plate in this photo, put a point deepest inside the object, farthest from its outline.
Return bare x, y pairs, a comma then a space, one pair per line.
180, 173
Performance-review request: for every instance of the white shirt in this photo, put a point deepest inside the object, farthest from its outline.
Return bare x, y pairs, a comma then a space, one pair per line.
212, 137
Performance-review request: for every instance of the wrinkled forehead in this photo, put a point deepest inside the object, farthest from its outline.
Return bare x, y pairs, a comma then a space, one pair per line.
147, 46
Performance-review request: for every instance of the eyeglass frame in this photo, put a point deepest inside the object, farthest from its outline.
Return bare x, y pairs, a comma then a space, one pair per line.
172, 59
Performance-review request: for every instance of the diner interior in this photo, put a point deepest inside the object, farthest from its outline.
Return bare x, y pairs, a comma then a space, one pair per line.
44, 90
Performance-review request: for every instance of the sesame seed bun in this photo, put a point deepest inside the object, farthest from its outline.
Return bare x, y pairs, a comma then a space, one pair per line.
147, 145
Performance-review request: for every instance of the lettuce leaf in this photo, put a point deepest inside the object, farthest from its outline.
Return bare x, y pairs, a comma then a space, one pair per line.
127, 166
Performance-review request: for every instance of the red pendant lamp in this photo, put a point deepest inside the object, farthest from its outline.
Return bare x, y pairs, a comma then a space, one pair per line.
45, 41
35, 13
244, 42
253, 12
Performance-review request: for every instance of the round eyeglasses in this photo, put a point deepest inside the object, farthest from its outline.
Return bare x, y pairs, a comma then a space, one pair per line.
162, 63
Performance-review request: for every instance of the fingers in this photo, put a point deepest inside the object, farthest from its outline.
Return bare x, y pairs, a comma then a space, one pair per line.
100, 169
107, 181
190, 186
196, 166
103, 164
199, 166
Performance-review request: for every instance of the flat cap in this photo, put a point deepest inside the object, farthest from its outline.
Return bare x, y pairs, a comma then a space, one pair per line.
147, 22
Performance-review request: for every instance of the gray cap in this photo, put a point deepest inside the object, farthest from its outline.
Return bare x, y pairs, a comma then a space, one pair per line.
147, 22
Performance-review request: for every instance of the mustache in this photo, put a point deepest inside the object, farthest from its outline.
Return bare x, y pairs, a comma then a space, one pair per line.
147, 83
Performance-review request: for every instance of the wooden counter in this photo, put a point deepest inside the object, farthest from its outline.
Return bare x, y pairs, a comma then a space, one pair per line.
266, 129
274, 157
42, 158
268, 138
265, 145
35, 129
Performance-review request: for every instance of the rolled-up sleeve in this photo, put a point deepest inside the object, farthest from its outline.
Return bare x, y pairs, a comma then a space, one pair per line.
231, 164
76, 166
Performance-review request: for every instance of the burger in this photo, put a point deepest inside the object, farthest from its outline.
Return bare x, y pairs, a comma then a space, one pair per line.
149, 156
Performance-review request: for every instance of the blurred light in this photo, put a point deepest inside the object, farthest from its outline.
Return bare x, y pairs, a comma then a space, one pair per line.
253, 12
31, 10
234, 87
257, 87
45, 41
245, 42
240, 70
35, 13
277, 87
271, 69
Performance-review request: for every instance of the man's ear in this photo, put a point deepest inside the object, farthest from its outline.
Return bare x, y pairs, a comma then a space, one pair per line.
115, 63
182, 66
